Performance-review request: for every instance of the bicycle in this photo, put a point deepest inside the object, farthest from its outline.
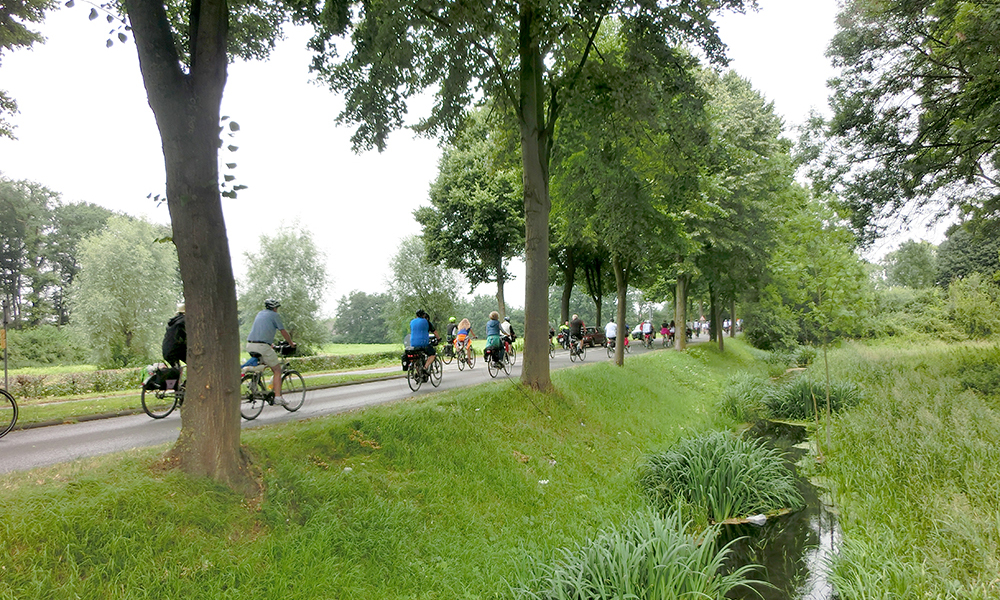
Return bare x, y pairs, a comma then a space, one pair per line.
162, 391
577, 351
509, 354
254, 393
8, 412
647, 341
552, 349
495, 366
466, 358
448, 352
417, 372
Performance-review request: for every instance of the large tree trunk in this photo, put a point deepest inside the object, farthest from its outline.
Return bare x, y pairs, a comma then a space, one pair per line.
501, 303
187, 111
621, 286
680, 312
536, 142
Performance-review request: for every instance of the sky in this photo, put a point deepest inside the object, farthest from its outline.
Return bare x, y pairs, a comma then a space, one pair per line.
85, 130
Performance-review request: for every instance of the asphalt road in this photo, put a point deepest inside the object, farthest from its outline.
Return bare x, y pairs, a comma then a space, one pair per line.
27, 449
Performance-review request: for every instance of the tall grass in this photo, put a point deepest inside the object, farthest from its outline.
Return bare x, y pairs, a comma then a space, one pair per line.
651, 557
914, 472
799, 397
728, 476
445, 496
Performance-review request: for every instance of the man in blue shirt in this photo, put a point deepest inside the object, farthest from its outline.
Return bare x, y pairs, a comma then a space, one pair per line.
265, 325
421, 329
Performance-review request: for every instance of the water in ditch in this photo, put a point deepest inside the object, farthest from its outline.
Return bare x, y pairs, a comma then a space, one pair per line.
792, 549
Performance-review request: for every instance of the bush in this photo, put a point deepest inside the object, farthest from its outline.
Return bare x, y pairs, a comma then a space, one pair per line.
972, 306
794, 400
651, 556
978, 369
743, 397
726, 475
45, 346
770, 326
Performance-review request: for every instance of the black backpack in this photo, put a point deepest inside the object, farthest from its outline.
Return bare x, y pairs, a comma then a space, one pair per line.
175, 340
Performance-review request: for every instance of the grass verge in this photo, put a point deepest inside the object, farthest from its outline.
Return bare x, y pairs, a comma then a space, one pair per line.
450, 496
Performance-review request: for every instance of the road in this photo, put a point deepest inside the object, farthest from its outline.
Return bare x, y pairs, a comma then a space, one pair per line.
27, 449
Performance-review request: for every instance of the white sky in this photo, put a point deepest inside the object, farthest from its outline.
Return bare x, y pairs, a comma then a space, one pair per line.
86, 131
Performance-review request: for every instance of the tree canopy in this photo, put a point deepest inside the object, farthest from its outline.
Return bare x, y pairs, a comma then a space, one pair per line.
916, 108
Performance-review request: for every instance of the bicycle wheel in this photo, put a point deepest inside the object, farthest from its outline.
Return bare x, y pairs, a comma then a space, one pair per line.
293, 390
158, 403
8, 412
414, 376
513, 355
472, 357
461, 359
251, 404
437, 369
583, 352
493, 366
449, 355
552, 350
573, 353
611, 350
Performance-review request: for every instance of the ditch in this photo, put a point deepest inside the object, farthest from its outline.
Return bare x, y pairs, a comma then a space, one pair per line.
792, 549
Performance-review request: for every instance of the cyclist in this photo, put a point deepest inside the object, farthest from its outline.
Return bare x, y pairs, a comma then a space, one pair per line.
451, 332
647, 332
464, 337
265, 325
493, 337
576, 329
564, 334
611, 332
421, 330
507, 332
175, 341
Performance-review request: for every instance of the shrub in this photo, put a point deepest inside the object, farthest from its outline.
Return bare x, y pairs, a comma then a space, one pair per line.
726, 475
44, 346
978, 369
743, 397
794, 400
972, 306
651, 557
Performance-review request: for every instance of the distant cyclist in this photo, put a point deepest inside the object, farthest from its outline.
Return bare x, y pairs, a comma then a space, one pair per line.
611, 332
494, 338
507, 330
576, 328
265, 325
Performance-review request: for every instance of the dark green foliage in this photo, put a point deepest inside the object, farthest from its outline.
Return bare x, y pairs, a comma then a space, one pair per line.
43, 346
913, 265
965, 252
769, 325
729, 477
794, 400
978, 369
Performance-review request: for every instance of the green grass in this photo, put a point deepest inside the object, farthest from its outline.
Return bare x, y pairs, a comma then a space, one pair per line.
914, 470
447, 496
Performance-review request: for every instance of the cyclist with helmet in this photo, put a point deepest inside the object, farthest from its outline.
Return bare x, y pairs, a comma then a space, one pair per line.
507, 330
452, 331
421, 329
265, 325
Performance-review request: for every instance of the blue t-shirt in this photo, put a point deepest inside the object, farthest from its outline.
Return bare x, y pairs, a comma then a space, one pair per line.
265, 325
420, 332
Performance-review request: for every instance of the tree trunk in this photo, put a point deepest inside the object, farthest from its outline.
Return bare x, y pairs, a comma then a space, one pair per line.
715, 301
680, 312
187, 111
569, 280
501, 303
621, 286
732, 318
536, 142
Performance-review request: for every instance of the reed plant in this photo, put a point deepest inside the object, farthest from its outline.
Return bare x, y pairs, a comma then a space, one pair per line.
799, 398
653, 556
728, 476
743, 397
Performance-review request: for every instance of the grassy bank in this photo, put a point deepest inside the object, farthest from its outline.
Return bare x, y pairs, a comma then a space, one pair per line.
915, 470
449, 496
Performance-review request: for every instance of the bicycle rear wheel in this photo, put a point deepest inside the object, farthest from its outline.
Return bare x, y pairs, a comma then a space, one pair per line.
250, 403
293, 390
492, 366
472, 357
158, 403
510, 357
437, 368
414, 375
448, 353
552, 349
8, 412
